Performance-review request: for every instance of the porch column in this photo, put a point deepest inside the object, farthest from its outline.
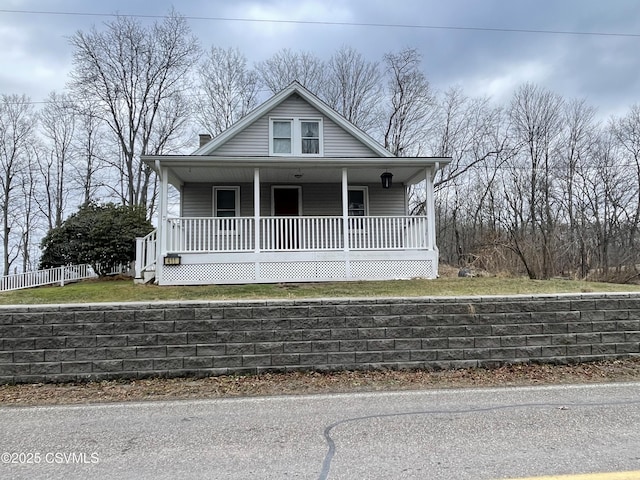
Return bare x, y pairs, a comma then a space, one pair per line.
162, 230
430, 209
345, 210
256, 220
256, 209
345, 222
162, 222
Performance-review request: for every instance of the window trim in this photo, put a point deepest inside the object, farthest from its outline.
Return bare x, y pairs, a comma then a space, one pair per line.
236, 190
296, 136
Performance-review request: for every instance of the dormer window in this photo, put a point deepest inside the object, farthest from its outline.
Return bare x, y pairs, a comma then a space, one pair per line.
310, 132
281, 137
295, 136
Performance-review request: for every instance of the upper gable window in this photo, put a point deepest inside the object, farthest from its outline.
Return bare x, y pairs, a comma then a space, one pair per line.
295, 136
281, 137
310, 133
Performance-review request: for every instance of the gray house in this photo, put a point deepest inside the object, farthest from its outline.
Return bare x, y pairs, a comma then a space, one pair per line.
293, 192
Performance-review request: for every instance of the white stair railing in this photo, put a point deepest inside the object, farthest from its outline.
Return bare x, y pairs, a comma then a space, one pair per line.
145, 253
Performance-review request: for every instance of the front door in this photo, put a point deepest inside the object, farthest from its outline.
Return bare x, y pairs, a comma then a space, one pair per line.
286, 203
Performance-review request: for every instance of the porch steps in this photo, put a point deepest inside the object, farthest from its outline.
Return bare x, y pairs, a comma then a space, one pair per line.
148, 276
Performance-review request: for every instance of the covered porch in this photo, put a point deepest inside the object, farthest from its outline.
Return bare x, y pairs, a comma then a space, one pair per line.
260, 242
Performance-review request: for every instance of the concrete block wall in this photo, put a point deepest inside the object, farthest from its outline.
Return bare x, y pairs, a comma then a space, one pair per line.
60, 343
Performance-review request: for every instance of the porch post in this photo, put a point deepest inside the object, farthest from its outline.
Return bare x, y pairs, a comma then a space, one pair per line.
345, 221
345, 210
162, 231
430, 210
256, 209
256, 220
162, 223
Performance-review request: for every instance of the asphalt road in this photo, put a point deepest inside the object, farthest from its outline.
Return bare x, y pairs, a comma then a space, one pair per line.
444, 434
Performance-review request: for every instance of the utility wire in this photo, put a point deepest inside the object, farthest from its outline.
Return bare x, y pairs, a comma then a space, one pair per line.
343, 24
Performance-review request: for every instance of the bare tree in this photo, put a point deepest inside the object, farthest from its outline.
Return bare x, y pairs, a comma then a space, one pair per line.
353, 87
536, 120
579, 138
603, 192
411, 104
17, 129
287, 66
627, 133
132, 72
230, 90
89, 158
57, 122
29, 223
469, 131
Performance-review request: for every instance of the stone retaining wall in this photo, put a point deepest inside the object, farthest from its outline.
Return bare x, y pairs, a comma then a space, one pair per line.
59, 343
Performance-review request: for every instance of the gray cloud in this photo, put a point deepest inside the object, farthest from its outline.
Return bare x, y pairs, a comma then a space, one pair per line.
602, 69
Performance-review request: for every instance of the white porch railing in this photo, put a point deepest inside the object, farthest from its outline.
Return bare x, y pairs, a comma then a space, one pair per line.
387, 233
301, 233
210, 234
237, 234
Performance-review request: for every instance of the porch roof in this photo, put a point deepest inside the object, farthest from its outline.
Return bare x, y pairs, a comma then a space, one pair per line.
210, 169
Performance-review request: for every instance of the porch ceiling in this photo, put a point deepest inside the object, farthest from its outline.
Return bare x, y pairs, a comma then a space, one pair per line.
205, 169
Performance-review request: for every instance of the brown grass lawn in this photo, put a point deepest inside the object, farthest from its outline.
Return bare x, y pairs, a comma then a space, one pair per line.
123, 290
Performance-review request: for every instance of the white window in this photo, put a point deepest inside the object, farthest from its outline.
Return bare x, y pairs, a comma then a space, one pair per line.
282, 130
358, 202
310, 134
295, 136
226, 202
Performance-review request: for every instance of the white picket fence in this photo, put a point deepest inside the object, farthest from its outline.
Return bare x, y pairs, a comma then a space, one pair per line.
53, 276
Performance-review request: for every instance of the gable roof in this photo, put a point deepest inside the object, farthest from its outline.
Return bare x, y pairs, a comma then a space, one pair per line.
294, 88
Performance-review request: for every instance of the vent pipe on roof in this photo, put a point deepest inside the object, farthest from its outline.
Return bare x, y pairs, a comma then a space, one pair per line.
204, 138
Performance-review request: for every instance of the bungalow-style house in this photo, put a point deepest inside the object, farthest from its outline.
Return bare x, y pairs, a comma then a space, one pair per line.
293, 192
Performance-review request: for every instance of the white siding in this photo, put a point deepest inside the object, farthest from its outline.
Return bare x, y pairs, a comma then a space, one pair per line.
339, 143
254, 139
326, 199
383, 202
197, 199
318, 199
250, 142
322, 199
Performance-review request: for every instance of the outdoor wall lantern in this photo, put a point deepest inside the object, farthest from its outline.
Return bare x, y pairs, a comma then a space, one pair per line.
386, 179
172, 259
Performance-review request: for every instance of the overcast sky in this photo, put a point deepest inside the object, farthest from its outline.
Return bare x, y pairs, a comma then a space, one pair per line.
463, 42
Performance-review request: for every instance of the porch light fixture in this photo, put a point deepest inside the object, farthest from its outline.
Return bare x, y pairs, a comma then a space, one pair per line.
386, 179
172, 259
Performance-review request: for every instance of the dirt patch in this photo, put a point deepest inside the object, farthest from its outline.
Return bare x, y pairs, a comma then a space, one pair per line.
298, 383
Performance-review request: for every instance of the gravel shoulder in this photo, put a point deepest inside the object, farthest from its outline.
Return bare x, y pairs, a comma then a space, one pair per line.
297, 383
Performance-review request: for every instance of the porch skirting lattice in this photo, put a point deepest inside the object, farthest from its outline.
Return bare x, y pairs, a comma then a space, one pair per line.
298, 271
392, 269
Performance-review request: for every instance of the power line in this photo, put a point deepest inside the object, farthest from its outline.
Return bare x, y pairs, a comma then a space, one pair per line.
343, 24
